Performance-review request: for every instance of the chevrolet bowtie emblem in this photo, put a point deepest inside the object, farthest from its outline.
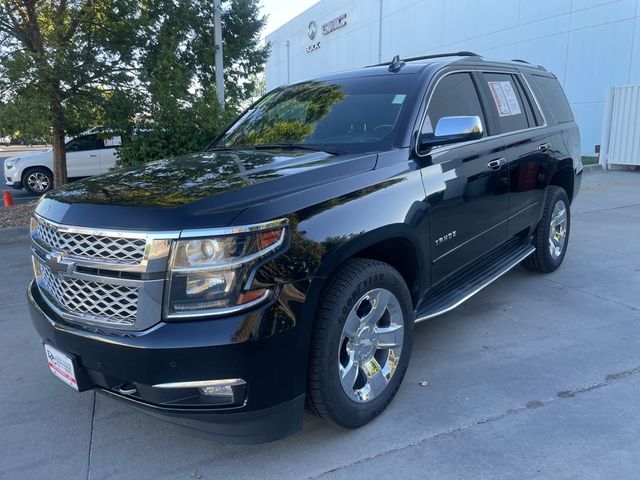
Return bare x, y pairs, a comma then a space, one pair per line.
58, 264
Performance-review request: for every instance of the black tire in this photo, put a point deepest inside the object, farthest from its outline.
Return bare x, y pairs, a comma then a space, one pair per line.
40, 172
326, 397
542, 259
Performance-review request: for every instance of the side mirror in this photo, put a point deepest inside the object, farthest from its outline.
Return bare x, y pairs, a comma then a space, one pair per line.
452, 130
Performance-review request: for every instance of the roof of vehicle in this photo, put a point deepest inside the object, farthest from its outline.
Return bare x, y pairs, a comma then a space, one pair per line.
419, 64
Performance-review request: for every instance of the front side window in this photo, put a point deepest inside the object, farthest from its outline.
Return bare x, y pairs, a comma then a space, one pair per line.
81, 144
455, 95
355, 114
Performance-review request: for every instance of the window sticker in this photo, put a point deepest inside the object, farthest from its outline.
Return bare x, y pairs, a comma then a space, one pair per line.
512, 99
505, 98
113, 142
398, 99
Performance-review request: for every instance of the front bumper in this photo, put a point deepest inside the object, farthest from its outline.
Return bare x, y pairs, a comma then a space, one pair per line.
17, 185
10, 178
271, 360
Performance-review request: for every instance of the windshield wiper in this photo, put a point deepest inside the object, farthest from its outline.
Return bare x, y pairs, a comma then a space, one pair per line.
299, 146
224, 149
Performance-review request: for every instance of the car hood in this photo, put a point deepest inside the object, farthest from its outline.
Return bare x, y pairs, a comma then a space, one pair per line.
208, 188
32, 155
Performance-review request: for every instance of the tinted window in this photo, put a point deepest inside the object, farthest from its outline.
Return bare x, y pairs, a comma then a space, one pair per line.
506, 102
533, 112
528, 107
80, 144
455, 95
555, 97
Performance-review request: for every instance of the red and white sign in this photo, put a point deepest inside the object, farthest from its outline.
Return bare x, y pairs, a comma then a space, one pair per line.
61, 366
505, 98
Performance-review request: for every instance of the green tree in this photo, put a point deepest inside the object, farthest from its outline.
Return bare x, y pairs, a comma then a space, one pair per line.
179, 112
144, 69
65, 56
26, 117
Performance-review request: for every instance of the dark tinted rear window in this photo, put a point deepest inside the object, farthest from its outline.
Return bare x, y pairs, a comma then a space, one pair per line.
506, 102
555, 98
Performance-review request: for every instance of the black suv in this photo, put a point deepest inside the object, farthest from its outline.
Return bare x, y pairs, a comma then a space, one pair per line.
287, 264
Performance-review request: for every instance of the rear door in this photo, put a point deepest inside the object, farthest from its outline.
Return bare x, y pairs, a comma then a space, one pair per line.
109, 153
526, 146
83, 156
467, 198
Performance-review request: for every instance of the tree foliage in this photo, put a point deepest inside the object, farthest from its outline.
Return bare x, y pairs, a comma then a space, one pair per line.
65, 56
143, 68
179, 109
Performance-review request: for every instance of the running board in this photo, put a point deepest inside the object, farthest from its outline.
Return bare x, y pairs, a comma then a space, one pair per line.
464, 285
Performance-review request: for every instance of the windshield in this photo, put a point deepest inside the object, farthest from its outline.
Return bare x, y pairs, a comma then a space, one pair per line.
356, 114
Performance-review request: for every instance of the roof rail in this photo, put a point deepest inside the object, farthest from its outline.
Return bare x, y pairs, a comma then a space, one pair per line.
397, 58
518, 60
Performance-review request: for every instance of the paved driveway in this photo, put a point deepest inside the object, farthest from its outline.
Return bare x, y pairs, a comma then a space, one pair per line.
538, 376
19, 195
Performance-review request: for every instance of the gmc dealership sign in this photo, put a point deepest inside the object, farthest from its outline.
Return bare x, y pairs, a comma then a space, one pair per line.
327, 28
334, 24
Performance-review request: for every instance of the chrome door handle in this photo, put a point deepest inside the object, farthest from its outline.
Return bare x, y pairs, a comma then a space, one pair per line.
544, 147
91, 156
497, 163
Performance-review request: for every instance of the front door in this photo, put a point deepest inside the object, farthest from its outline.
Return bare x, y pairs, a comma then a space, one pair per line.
467, 193
83, 156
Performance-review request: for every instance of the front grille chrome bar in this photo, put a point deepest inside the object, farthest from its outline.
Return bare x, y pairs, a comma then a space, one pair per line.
130, 251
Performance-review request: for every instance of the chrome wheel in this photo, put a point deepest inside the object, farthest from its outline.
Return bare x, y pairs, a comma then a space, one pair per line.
38, 182
371, 345
558, 229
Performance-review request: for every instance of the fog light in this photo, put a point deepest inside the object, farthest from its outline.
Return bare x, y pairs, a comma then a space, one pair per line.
217, 391
208, 387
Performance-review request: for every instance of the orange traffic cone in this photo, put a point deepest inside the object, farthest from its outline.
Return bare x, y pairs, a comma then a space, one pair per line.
7, 198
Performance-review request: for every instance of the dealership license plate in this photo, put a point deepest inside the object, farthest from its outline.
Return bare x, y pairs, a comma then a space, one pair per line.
61, 366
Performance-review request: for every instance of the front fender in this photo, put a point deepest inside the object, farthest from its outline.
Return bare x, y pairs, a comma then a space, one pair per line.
386, 203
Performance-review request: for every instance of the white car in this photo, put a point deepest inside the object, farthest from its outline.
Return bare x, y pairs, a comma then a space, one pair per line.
5, 141
87, 155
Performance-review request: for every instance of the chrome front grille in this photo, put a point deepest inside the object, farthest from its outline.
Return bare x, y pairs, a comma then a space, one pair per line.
115, 304
119, 249
102, 277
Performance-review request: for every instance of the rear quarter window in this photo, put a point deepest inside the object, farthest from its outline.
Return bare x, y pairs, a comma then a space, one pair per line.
555, 97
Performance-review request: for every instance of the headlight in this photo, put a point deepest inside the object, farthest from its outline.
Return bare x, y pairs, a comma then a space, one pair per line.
208, 276
10, 162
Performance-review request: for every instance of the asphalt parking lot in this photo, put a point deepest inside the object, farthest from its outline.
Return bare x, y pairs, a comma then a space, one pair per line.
538, 376
21, 195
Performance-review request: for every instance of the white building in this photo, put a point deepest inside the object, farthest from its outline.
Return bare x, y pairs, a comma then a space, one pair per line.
591, 45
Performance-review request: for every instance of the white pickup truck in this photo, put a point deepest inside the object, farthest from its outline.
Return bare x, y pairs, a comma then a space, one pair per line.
87, 155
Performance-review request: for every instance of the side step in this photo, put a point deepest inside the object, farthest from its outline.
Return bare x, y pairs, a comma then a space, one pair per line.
469, 281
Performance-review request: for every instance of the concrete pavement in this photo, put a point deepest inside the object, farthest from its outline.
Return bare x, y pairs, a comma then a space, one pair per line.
538, 376
19, 196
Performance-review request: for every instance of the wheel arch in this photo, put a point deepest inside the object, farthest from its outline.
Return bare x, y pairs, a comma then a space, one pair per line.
29, 168
396, 245
564, 177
